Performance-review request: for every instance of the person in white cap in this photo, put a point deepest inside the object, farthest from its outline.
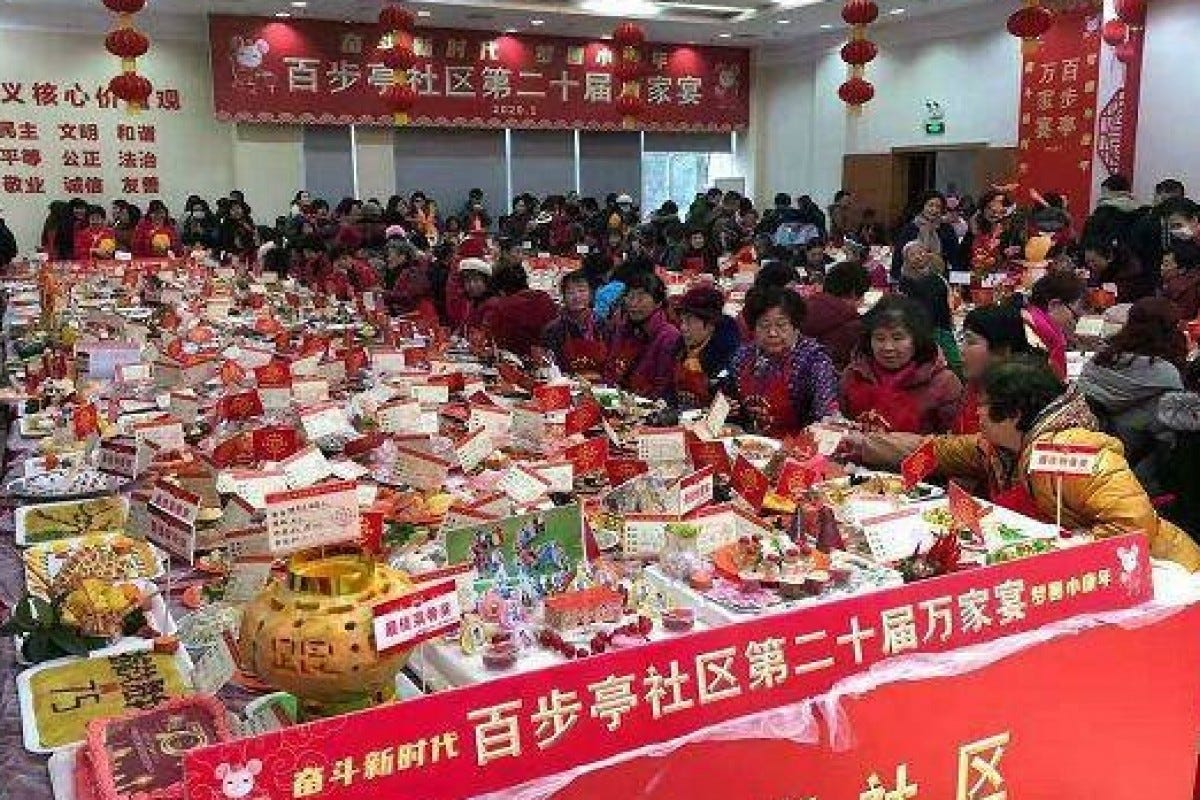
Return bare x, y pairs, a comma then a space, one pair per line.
469, 288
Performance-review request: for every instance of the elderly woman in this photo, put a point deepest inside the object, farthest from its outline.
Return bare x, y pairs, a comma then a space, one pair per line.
643, 343
576, 338
710, 340
782, 381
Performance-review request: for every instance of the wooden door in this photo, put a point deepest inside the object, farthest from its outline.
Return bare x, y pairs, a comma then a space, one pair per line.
995, 166
871, 179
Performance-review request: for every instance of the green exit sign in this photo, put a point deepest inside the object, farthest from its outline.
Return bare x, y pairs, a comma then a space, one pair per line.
935, 128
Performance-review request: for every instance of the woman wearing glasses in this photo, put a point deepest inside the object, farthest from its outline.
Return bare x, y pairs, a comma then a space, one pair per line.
782, 381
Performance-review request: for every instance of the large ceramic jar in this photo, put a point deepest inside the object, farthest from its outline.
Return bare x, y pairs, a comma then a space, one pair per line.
311, 635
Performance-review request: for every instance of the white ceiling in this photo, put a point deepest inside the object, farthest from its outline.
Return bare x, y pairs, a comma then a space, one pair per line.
755, 23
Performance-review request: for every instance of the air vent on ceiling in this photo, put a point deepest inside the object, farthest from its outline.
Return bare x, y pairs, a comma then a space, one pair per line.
477, 16
702, 12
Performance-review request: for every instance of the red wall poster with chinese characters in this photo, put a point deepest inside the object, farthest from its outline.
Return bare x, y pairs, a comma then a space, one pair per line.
1059, 87
729, 713
327, 72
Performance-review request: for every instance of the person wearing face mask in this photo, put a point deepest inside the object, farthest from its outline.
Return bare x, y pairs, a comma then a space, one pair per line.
643, 343
710, 340
576, 338
900, 381
781, 381
928, 227
199, 227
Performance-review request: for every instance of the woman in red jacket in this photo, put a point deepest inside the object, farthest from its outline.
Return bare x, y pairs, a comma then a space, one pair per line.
98, 239
518, 315
406, 284
900, 381
156, 235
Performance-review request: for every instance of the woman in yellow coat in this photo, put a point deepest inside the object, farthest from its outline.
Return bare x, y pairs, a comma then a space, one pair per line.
1022, 402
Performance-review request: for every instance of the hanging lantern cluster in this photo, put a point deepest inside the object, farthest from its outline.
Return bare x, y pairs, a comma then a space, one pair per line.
1029, 24
858, 52
629, 40
1125, 32
128, 44
398, 25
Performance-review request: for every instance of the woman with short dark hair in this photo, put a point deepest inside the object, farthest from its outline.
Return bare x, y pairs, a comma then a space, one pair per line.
576, 338
783, 381
643, 343
899, 380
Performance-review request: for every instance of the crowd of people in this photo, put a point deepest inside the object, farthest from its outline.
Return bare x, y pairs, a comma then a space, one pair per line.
803, 347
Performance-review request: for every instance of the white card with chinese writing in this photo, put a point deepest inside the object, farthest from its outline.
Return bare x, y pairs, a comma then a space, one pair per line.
326, 419
497, 420
167, 434
473, 448
305, 468
714, 420
662, 445
398, 417
559, 474
254, 485
421, 470
430, 394
523, 485
301, 518
308, 391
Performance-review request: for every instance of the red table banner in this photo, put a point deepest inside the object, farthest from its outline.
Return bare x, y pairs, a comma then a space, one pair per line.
329, 72
1059, 87
505, 732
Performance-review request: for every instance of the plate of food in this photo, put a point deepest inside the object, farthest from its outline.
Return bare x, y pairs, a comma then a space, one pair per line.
63, 484
877, 485
56, 568
47, 522
37, 426
758, 450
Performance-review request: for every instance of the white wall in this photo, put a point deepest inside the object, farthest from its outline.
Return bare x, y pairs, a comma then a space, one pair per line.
1169, 129
194, 151
807, 129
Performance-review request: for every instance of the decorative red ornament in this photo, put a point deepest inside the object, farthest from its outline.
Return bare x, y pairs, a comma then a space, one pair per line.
394, 17
1114, 32
1029, 23
1127, 52
856, 91
630, 106
627, 69
859, 52
1132, 11
125, 6
629, 34
127, 43
860, 12
132, 88
400, 57
400, 99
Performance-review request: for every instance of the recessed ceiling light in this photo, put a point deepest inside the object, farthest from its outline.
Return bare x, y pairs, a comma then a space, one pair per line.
423, 13
299, 3
606, 37
826, 27
784, 21
724, 35
896, 11
282, 14
536, 22
510, 30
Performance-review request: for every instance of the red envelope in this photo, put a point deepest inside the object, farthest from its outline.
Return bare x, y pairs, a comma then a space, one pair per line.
552, 398
584, 418
232, 373
416, 357
749, 482
919, 464
236, 449
86, 420
797, 476
356, 360
370, 531
515, 376
243, 405
622, 469
275, 442
589, 456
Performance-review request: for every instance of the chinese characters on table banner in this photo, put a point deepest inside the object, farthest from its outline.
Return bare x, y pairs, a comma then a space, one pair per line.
1057, 131
326, 72
62, 138
510, 730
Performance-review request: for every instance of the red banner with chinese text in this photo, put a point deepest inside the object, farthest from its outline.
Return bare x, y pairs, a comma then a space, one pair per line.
327, 72
511, 730
1057, 131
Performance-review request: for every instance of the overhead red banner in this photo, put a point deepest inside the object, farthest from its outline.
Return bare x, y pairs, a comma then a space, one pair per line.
1059, 86
328, 72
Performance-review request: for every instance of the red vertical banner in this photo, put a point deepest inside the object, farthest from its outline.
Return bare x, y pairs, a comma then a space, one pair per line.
1059, 86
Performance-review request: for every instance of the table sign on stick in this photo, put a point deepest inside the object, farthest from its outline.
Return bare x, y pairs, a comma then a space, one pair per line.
318, 515
1063, 459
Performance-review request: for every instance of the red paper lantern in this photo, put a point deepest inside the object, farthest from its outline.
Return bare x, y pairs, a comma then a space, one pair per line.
859, 52
125, 6
400, 97
629, 34
630, 106
127, 43
1127, 52
1132, 12
860, 12
393, 17
1029, 23
1114, 32
856, 91
131, 87
399, 57
628, 69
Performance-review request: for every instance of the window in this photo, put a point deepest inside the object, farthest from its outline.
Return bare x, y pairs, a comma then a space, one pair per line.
673, 176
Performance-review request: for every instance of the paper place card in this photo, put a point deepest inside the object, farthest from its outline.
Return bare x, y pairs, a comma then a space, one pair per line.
523, 485
528, 426
176, 536
183, 405
1090, 327
247, 542
309, 365
325, 419
301, 518
894, 536
248, 576
167, 434
559, 474
416, 617
308, 391
430, 394
305, 468
216, 665
718, 412
385, 361
124, 457
496, 420
175, 500
693, 491
254, 485
960, 278
473, 448
348, 470
133, 373
398, 417
718, 528
334, 371
238, 514
669, 444
645, 535
420, 470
